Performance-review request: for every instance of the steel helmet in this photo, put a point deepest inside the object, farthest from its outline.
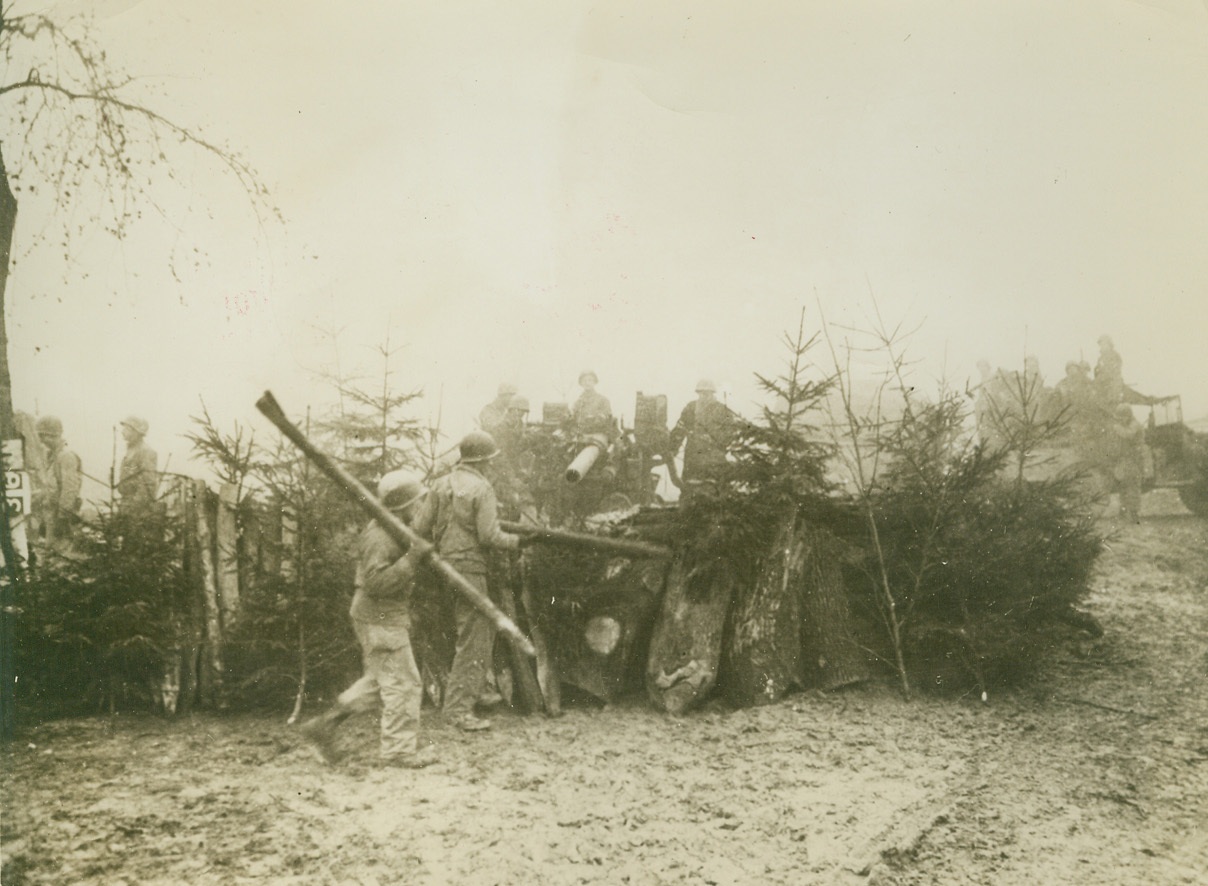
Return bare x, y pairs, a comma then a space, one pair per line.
477, 446
706, 385
49, 426
398, 489
507, 389
136, 424
588, 373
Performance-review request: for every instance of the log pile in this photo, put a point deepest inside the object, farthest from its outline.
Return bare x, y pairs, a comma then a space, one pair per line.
607, 620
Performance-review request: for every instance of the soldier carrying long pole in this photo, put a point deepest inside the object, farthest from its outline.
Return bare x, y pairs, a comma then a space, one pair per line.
396, 528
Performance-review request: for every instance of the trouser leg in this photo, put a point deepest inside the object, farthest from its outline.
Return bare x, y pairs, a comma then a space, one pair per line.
402, 693
472, 657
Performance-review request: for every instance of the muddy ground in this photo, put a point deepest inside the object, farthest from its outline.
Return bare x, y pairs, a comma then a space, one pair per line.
1097, 774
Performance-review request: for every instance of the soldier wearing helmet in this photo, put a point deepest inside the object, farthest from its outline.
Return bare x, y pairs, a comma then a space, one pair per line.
591, 413
494, 414
56, 499
385, 579
138, 480
461, 518
705, 429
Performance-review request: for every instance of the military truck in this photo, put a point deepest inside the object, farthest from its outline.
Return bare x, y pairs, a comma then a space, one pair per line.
1176, 457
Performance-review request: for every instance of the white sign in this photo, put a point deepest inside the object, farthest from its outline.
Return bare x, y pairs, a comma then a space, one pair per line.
14, 455
17, 493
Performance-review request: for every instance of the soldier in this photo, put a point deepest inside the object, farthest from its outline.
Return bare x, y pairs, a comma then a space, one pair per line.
591, 413
493, 415
57, 496
1109, 373
705, 429
1126, 438
1072, 398
138, 481
380, 613
461, 519
512, 468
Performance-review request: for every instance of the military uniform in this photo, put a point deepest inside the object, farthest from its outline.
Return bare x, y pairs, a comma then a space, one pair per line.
707, 426
57, 497
381, 619
460, 517
138, 479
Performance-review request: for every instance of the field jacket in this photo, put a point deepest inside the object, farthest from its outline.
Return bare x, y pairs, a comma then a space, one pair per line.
460, 516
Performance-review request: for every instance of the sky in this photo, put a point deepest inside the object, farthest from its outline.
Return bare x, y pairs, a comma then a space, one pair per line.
516, 192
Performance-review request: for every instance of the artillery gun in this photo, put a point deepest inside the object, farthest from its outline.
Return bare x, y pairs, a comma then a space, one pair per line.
571, 476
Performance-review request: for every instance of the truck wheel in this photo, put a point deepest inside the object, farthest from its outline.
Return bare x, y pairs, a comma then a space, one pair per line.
1195, 498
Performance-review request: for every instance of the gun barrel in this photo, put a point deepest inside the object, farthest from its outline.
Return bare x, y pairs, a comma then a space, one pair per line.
583, 462
624, 546
403, 534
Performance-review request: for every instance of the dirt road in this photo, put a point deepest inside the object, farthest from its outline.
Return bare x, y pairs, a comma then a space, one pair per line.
1099, 774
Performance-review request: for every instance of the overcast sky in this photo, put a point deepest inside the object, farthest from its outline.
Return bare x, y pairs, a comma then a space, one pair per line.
518, 191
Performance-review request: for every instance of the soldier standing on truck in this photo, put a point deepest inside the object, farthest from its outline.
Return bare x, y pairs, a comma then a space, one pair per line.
381, 618
1109, 374
706, 429
138, 480
460, 517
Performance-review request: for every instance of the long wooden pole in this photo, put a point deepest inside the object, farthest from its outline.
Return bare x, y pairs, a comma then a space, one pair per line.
403, 534
625, 546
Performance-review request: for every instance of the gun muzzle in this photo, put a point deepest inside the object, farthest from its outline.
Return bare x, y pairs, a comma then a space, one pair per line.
583, 462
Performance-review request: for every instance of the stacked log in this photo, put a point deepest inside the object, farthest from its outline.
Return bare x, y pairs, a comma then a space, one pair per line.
792, 626
763, 656
832, 655
686, 645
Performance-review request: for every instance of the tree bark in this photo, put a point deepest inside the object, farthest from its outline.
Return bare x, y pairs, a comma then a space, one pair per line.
763, 657
212, 673
831, 654
227, 549
685, 649
8, 222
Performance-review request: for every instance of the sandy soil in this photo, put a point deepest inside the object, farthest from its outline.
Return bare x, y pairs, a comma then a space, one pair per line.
1099, 774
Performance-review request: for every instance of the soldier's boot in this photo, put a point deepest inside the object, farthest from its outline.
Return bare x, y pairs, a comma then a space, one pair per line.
320, 731
418, 760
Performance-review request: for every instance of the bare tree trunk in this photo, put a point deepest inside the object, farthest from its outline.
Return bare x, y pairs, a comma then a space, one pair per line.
763, 657
212, 674
831, 655
227, 548
685, 649
8, 221
8, 430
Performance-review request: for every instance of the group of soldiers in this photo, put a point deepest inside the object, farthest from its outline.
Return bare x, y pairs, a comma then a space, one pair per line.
1090, 411
57, 476
458, 512
705, 430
